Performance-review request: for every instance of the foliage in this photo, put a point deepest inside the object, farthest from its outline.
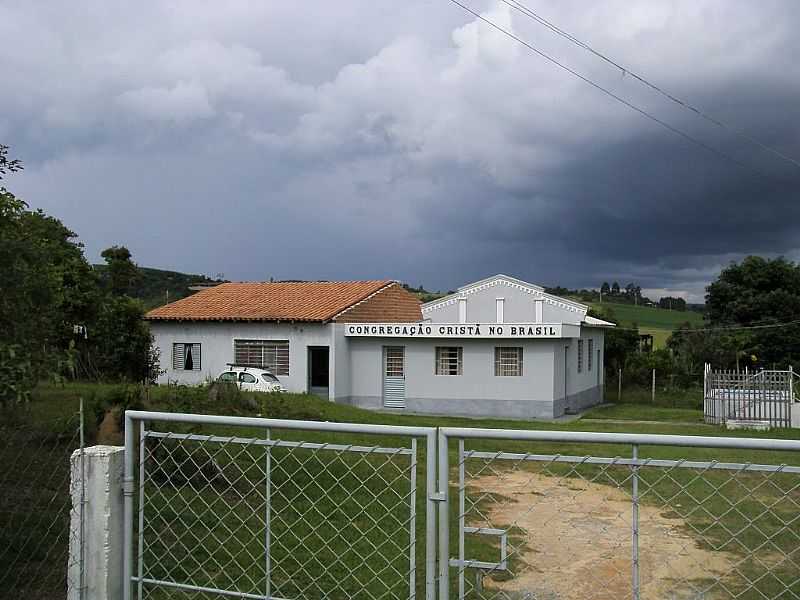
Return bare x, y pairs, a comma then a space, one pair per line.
16, 375
759, 291
122, 342
50, 298
121, 273
155, 287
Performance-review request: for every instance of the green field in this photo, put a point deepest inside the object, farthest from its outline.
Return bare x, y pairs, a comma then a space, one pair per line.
657, 321
332, 508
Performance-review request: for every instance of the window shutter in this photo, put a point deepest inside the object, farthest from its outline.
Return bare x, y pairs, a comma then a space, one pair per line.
177, 357
196, 357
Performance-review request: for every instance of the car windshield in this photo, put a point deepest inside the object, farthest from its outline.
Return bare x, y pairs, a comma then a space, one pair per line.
269, 378
228, 376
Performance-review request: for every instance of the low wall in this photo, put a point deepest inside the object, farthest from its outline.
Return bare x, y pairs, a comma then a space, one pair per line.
466, 407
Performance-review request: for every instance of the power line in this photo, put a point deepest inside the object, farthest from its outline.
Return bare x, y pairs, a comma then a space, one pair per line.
519, 6
608, 92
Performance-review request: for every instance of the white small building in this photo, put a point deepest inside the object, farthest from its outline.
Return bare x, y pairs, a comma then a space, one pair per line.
499, 347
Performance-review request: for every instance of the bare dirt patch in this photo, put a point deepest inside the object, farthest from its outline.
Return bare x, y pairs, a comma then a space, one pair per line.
576, 542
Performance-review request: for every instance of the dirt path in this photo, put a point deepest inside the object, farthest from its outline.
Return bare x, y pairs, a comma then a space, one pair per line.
577, 542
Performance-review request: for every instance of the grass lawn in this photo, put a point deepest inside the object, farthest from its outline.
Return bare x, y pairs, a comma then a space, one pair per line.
206, 502
641, 412
656, 321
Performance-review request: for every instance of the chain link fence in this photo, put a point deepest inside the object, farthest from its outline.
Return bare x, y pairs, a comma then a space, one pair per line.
278, 513
36, 504
546, 521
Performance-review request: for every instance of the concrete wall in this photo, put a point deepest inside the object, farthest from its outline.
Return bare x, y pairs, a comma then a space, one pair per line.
476, 392
216, 339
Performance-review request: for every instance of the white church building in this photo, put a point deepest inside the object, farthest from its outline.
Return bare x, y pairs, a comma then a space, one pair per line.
499, 347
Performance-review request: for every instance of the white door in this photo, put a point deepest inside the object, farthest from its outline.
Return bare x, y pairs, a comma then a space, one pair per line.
394, 377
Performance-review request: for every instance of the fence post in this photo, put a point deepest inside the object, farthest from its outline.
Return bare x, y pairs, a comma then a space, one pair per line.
653, 393
102, 543
619, 387
635, 524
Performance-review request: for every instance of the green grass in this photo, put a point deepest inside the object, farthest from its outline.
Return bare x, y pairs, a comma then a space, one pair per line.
640, 412
330, 509
656, 321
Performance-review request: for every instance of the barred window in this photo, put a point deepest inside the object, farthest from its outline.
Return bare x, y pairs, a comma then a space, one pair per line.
272, 355
590, 355
508, 362
395, 361
185, 357
580, 356
448, 360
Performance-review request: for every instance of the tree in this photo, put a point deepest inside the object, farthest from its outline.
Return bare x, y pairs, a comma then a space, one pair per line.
619, 344
47, 290
605, 289
615, 289
122, 345
121, 272
759, 291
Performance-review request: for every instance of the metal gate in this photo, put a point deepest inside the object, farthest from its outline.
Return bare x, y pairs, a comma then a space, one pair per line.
557, 515
292, 510
759, 397
271, 509
394, 377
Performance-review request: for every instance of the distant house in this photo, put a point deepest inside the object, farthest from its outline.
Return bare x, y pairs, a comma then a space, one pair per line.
498, 347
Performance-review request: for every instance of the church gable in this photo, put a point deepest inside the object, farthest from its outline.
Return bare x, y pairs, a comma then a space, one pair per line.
502, 298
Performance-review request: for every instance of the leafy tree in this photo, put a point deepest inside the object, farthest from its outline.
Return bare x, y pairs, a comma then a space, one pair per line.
605, 289
759, 291
122, 344
620, 344
47, 288
615, 289
122, 273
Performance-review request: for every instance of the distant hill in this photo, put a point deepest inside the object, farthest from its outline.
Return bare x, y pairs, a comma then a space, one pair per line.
157, 287
657, 321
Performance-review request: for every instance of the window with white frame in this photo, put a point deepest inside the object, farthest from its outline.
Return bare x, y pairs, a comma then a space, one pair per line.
185, 357
272, 355
590, 355
580, 356
449, 360
508, 362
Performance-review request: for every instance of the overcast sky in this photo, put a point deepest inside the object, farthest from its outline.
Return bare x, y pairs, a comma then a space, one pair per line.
404, 139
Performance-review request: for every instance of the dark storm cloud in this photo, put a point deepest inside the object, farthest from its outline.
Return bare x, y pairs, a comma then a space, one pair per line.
386, 139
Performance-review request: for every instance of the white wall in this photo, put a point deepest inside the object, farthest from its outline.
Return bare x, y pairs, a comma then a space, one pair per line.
478, 380
586, 379
216, 340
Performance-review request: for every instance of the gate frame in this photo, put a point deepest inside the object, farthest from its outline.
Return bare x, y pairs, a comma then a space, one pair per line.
634, 440
134, 424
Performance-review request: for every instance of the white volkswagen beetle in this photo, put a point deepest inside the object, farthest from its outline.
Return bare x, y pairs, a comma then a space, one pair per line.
251, 379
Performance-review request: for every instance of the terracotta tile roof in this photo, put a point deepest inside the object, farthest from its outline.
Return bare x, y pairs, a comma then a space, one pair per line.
392, 304
295, 301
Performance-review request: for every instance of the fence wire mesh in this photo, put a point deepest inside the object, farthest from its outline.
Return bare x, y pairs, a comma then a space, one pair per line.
552, 527
271, 517
36, 505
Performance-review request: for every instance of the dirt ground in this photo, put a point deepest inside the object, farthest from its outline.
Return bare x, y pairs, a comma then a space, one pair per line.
577, 543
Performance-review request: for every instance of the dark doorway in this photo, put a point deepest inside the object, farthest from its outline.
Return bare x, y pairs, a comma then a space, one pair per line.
318, 370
